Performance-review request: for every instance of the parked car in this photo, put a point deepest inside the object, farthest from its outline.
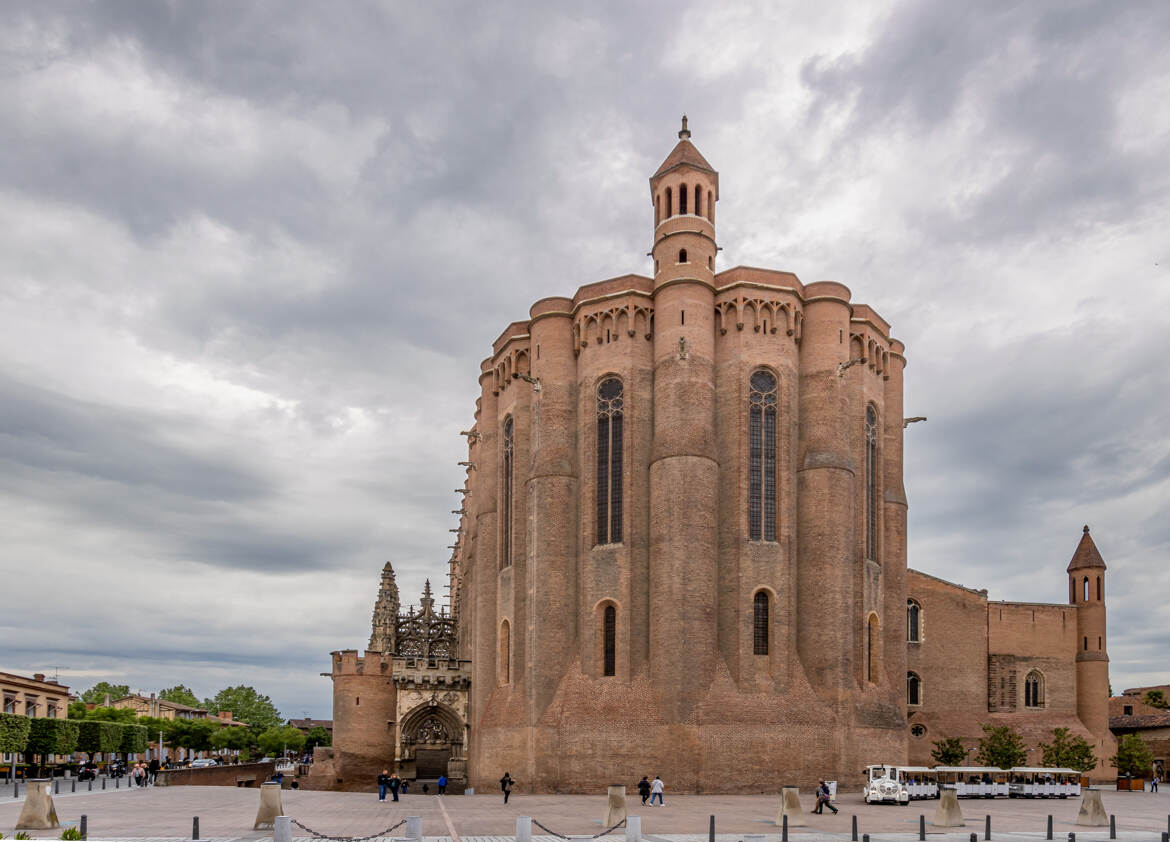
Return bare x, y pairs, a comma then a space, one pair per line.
203, 763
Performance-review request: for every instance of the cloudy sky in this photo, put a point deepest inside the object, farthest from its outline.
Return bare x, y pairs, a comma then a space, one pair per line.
251, 255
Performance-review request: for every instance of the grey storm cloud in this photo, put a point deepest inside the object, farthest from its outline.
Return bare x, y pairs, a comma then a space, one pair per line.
251, 255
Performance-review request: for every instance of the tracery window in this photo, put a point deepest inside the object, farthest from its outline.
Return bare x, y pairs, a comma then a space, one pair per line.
913, 621
870, 483
509, 459
762, 457
1034, 690
609, 633
760, 623
609, 461
431, 730
913, 689
505, 665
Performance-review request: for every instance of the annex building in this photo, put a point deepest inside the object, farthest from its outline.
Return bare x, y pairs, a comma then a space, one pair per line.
682, 551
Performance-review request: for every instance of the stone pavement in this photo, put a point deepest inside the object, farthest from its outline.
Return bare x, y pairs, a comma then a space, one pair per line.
227, 813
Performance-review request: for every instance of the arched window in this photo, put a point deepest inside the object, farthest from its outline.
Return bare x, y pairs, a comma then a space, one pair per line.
760, 623
871, 465
698, 196
682, 199
710, 207
1098, 588
609, 461
509, 459
762, 456
682, 255
657, 209
609, 642
505, 653
1072, 590
669, 204
1086, 589
872, 655
913, 689
1034, 690
913, 621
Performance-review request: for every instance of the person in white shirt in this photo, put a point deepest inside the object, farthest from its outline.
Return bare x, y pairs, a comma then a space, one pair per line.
656, 791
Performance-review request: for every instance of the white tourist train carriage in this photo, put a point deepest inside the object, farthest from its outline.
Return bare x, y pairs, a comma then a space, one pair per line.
884, 784
974, 781
921, 781
1039, 782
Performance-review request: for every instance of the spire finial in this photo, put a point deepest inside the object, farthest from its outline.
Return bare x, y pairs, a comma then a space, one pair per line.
1086, 529
684, 133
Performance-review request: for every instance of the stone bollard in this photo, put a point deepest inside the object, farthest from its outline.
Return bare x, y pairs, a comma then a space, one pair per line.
414, 827
1092, 812
282, 829
790, 806
948, 814
524, 829
634, 829
270, 807
615, 810
38, 812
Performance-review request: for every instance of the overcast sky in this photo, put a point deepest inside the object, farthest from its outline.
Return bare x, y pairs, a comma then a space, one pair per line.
251, 254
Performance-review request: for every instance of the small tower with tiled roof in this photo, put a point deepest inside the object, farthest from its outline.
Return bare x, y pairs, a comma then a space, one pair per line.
1086, 583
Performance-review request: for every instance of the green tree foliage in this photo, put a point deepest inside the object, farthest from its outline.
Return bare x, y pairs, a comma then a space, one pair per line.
13, 732
1001, 746
948, 752
234, 738
194, 734
317, 736
1133, 757
134, 739
96, 695
51, 736
246, 705
1156, 699
274, 741
77, 710
96, 736
124, 715
180, 693
1069, 752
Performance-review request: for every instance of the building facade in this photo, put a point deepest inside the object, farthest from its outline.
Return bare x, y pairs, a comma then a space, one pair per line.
682, 547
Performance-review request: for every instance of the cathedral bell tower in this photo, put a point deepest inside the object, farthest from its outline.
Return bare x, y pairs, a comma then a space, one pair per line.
1086, 590
684, 471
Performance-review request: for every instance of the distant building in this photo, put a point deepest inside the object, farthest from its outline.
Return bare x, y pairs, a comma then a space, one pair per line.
307, 725
1129, 714
159, 708
34, 697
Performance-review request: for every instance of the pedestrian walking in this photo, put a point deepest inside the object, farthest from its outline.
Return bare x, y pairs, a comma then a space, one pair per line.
383, 784
506, 784
395, 785
405, 785
656, 787
824, 799
1154, 784
644, 789
442, 783
153, 769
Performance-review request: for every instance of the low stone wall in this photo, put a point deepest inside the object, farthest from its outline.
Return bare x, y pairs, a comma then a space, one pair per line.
252, 774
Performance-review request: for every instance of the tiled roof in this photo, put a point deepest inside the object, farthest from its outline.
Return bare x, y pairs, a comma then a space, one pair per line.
683, 153
1140, 723
1086, 555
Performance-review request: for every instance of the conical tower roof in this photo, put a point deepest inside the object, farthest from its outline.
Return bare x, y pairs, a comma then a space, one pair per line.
1086, 555
684, 154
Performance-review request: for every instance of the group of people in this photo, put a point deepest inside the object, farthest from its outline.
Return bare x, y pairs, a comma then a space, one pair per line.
651, 789
143, 774
395, 785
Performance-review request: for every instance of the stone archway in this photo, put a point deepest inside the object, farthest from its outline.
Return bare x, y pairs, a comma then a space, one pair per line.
432, 737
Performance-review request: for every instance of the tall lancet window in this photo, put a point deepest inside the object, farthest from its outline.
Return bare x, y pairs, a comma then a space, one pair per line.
762, 457
509, 460
871, 485
609, 461
609, 643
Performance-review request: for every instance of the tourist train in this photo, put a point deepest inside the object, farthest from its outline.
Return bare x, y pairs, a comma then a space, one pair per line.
890, 783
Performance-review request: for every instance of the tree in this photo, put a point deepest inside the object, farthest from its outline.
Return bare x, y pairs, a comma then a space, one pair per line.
96, 695
277, 739
194, 734
95, 736
77, 710
233, 738
948, 752
246, 705
13, 732
180, 693
1156, 699
1001, 746
1134, 758
51, 736
1069, 752
124, 715
134, 739
317, 736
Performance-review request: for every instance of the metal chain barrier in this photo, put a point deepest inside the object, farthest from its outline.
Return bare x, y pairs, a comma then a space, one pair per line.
317, 835
552, 832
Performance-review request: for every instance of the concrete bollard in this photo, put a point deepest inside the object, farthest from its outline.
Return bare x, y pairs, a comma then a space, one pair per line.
634, 829
270, 806
853, 838
1049, 836
84, 827
38, 812
1112, 826
790, 807
1092, 812
194, 827
282, 829
948, 814
524, 829
414, 827
615, 810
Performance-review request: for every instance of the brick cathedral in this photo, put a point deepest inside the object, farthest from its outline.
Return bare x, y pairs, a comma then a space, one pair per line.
682, 551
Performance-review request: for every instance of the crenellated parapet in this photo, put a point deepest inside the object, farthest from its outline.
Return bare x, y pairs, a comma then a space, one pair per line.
350, 662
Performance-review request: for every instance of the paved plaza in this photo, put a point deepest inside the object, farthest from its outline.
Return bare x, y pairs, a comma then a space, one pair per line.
227, 813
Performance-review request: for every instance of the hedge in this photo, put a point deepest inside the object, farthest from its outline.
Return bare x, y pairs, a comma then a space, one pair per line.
52, 736
13, 732
134, 739
97, 736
